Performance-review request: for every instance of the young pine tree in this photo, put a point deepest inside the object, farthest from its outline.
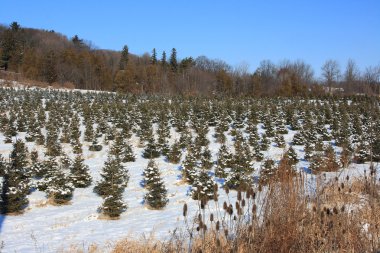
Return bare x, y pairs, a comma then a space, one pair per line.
156, 198
189, 167
114, 176
15, 186
174, 155
151, 150
203, 186
80, 176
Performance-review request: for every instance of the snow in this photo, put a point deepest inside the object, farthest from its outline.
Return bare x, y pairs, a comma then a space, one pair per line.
49, 228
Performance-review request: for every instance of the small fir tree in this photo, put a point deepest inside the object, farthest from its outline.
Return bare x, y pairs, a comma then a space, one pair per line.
114, 175
156, 197
113, 205
15, 186
151, 150
80, 176
203, 186
174, 155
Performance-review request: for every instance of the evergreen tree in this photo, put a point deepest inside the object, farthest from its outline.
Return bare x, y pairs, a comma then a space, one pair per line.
362, 154
150, 173
156, 197
89, 132
173, 60
185, 139
224, 161
37, 168
206, 161
203, 186
113, 205
267, 172
151, 150
114, 177
153, 58
80, 176
53, 147
95, 146
124, 58
279, 140
298, 139
189, 167
264, 142
15, 186
292, 155
175, 153
59, 188
237, 180
163, 60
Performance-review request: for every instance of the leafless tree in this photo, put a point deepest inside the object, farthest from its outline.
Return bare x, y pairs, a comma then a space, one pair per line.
351, 75
371, 78
331, 73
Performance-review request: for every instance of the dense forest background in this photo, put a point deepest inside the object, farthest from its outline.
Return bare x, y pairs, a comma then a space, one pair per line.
50, 57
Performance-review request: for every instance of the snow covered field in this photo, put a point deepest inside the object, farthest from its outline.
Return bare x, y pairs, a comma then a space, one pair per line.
44, 227
47, 228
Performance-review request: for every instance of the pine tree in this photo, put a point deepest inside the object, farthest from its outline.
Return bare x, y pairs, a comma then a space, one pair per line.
89, 132
114, 176
151, 150
267, 172
163, 60
111, 187
95, 146
80, 176
237, 180
59, 188
37, 168
156, 197
203, 186
175, 153
127, 154
65, 162
206, 161
153, 58
3, 166
173, 60
113, 205
279, 140
224, 161
189, 167
53, 147
124, 58
15, 186
264, 145
185, 139
292, 155
362, 153
298, 139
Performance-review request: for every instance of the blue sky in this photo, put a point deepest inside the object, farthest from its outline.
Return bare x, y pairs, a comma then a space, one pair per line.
235, 31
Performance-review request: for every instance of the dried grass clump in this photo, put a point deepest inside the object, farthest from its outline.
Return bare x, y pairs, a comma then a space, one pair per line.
338, 216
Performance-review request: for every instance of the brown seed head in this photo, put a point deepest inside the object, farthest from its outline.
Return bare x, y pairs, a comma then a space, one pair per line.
185, 209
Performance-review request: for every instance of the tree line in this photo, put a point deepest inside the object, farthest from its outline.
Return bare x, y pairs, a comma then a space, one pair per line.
53, 58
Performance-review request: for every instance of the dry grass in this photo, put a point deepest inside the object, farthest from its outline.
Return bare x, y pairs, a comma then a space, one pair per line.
342, 216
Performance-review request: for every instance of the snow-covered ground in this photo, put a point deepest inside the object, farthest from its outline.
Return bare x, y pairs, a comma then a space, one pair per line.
48, 228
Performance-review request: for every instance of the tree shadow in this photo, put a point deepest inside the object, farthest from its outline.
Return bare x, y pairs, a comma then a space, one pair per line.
2, 219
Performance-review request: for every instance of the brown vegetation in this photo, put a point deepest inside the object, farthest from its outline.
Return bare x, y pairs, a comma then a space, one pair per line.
341, 216
50, 57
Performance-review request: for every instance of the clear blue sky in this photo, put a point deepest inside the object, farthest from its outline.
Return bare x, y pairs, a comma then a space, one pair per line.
234, 31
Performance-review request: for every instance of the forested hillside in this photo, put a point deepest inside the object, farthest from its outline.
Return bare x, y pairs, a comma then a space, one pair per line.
52, 58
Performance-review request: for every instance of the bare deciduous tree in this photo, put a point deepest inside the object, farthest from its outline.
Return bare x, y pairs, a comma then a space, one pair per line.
351, 75
331, 72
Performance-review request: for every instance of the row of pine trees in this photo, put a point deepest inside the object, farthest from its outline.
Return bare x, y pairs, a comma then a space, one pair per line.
61, 123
